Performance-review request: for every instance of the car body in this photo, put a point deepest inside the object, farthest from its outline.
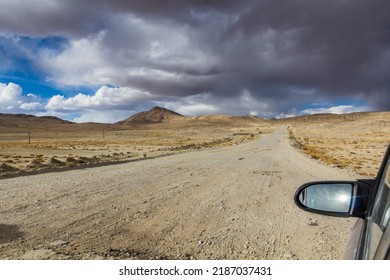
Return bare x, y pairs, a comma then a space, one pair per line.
368, 200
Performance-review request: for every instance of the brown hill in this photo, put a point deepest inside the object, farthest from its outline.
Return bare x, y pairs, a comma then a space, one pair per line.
157, 115
154, 115
326, 117
224, 119
29, 121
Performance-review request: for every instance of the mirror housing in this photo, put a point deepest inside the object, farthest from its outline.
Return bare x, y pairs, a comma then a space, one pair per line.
334, 198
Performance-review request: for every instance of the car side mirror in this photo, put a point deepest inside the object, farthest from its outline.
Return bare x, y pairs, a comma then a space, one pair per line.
333, 198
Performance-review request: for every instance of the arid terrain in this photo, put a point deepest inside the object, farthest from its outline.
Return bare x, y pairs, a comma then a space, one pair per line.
354, 141
174, 187
31, 145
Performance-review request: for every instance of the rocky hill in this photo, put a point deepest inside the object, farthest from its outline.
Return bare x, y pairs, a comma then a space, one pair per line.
154, 115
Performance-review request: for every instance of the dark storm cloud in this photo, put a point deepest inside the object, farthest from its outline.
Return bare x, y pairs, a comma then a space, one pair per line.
282, 52
45, 18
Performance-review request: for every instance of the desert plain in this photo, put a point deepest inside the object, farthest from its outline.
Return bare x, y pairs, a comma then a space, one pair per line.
163, 186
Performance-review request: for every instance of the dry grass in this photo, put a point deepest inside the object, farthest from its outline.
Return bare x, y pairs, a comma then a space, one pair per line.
355, 144
72, 148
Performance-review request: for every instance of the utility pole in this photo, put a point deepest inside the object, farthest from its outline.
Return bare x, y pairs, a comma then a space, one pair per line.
29, 138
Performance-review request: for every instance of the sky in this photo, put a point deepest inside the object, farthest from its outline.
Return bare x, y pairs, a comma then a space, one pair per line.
102, 61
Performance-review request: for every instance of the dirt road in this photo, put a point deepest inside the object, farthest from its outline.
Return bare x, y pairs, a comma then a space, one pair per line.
226, 203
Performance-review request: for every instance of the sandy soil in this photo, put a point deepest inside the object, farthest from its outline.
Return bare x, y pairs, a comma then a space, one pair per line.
232, 202
64, 147
355, 142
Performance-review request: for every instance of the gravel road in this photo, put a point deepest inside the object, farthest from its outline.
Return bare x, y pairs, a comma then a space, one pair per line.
222, 203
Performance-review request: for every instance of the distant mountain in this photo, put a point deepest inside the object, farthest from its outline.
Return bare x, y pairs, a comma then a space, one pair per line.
29, 121
326, 117
154, 115
226, 118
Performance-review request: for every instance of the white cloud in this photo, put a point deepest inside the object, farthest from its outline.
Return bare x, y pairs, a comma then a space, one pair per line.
197, 109
111, 116
342, 109
32, 106
10, 92
33, 96
81, 63
10, 96
104, 98
12, 99
107, 104
111, 104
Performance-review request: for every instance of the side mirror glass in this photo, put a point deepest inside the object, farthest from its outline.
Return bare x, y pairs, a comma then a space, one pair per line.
327, 197
333, 198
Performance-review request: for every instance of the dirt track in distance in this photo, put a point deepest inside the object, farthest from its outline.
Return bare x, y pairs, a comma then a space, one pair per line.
222, 203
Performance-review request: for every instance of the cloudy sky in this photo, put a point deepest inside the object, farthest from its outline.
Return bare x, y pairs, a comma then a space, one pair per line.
104, 60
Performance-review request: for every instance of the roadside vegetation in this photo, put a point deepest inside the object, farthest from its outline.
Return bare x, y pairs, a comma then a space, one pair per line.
357, 145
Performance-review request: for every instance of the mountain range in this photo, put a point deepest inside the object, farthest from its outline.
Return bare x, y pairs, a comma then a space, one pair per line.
155, 115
